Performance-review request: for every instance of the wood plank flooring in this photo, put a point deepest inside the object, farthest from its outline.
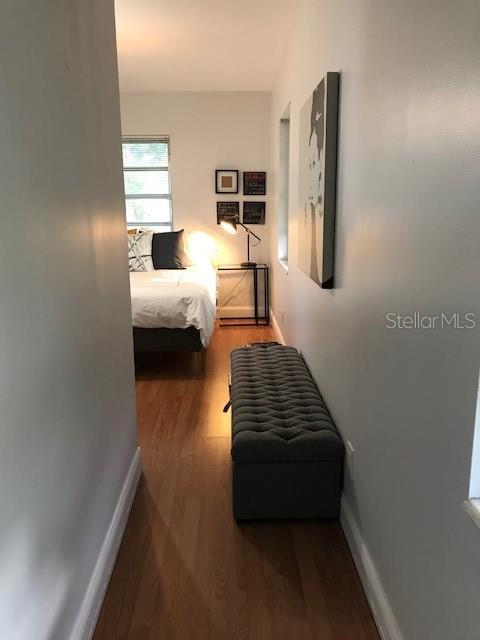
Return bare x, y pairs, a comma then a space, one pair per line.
185, 569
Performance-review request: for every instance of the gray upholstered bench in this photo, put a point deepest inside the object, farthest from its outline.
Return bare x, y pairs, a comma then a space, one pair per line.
287, 454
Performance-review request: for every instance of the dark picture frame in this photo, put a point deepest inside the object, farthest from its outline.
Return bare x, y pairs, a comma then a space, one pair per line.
254, 183
253, 212
228, 210
226, 181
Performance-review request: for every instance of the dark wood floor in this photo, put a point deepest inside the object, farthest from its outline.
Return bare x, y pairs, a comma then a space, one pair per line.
185, 569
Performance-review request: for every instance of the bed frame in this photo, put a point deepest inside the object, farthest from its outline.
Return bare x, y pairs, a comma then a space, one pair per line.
148, 340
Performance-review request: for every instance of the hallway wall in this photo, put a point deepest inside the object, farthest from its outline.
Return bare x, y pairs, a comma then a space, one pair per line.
67, 427
407, 239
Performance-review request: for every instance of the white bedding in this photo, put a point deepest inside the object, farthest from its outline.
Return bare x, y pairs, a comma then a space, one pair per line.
175, 299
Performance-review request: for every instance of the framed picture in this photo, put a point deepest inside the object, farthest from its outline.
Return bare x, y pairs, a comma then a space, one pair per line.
254, 183
317, 181
228, 211
226, 181
253, 213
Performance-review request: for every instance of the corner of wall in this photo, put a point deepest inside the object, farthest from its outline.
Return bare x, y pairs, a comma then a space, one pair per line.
372, 585
87, 617
276, 328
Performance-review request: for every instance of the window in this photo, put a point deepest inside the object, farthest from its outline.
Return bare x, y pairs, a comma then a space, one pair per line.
148, 198
283, 187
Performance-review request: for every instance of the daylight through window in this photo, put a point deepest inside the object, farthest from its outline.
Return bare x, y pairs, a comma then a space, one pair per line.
148, 196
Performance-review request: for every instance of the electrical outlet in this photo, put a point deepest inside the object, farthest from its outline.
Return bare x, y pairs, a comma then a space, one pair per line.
282, 315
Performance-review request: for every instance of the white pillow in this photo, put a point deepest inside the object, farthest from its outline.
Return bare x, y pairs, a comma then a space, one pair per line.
140, 251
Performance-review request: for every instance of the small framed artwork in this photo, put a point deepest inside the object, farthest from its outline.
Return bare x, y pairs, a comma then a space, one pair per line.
254, 213
228, 211
226, 181
254, 183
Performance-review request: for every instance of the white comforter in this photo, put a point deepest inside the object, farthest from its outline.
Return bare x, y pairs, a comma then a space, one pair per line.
175, 299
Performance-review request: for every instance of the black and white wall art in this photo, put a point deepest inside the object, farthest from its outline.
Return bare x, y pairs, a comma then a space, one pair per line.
254, 183
253, 212
229, 211
317, 181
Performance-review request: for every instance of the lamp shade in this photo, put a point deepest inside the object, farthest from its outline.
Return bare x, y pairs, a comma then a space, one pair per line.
229, 226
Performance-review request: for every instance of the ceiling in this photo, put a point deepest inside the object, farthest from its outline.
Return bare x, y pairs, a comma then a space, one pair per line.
202, 45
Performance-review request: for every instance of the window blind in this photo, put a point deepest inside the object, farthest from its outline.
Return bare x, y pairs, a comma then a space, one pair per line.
146, 171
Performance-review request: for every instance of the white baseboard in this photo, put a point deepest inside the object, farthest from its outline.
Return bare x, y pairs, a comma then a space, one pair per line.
376, 596
92, 602
245, 311
276, 328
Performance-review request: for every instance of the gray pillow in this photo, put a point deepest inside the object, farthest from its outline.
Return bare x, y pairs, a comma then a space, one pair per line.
167, 250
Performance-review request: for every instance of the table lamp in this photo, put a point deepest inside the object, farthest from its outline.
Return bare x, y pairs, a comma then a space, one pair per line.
231, 227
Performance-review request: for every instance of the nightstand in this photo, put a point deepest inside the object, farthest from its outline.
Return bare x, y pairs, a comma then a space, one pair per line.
256, 318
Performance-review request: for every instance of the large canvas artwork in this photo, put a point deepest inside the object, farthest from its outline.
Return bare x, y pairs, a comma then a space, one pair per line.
317, 185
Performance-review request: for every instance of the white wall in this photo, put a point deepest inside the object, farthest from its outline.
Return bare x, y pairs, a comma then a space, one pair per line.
408, 239
67, 429
208, 131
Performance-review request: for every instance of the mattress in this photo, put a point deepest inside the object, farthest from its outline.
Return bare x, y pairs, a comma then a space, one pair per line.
175, 299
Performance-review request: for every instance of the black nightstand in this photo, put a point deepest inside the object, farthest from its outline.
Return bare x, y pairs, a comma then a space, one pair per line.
257, 319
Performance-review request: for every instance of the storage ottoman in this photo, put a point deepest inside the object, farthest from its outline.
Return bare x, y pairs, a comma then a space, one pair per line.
287, 454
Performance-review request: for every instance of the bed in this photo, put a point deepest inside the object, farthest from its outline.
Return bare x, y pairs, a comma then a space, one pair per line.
173, 309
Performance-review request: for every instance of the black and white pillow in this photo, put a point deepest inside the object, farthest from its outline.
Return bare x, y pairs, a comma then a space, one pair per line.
140, 251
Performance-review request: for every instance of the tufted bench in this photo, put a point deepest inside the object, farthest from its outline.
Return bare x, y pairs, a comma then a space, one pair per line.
287, 454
